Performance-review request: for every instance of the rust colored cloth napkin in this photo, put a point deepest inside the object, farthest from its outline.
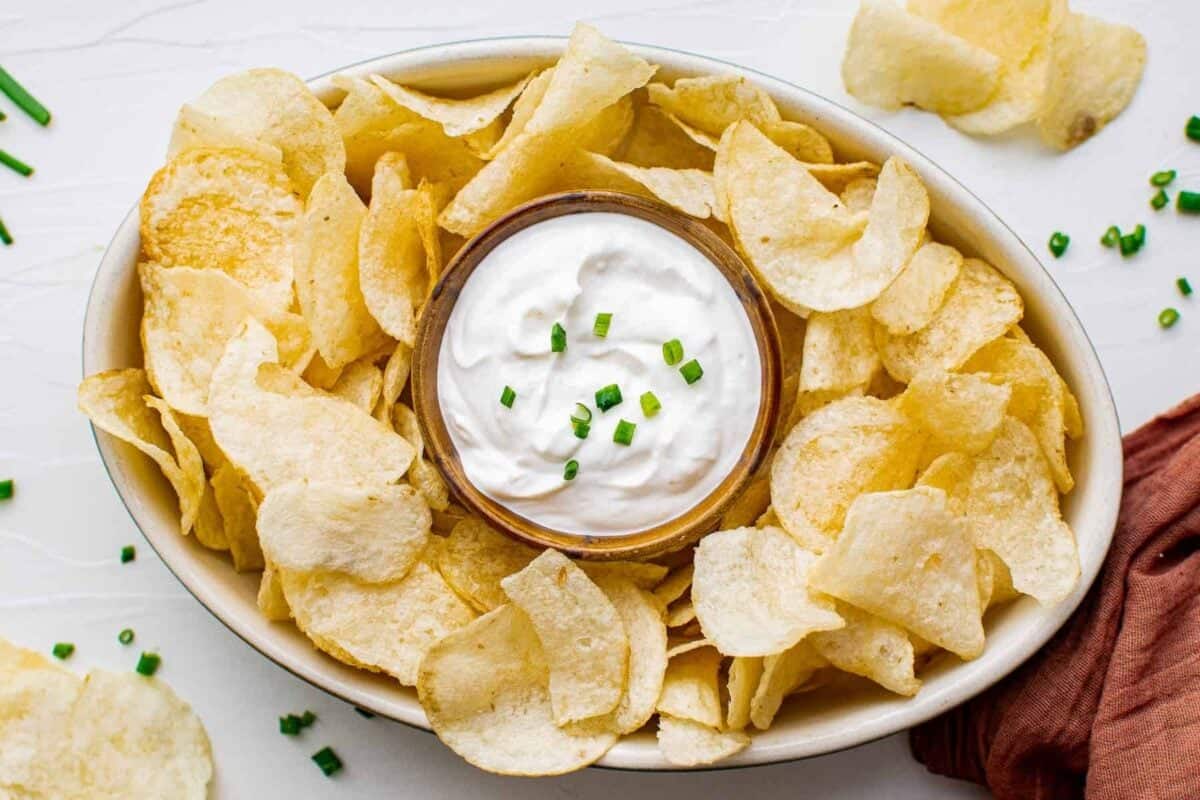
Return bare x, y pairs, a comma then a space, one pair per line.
1109, 709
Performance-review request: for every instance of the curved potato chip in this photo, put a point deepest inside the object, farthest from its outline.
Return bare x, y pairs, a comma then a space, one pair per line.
689, 744
904, 557
224, 210
912, 300
751, 595
320, 375
195, 129
958, 412
395, 377
712, 103
580, 631
980, 307
641, 574
894, 58
836, 177
485, 691
1017, 101
239, 517
458, 117
656, 141
675, 584
383, 627
275, 107
474, 559
688, 190
423, 475
690, 689
856, 196
871, 647
782, 674
374, 535
839, 351
681, 613
360, 385
744, 675
804, 143
36, 696
210, 524
271, 601
523, 109
641, 618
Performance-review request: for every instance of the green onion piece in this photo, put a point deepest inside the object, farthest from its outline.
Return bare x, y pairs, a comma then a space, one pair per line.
570, 470
582, 429
600, 326
1168, 317
608, 397
624, 432
691, 371
128, 553
148, 664
507, 396
1193, 128
362, 712
63, 650
5, 236
24, 100
1188, 201
1139, 233
1058, 243
6, 489
307, 719
1185, 287
125, 636
650, 404
558, 338
1129, 244
672, 352
1162, 177
327, 760
1111, 237
15, 164
3, 116
1159, 200
289, 725
582, 414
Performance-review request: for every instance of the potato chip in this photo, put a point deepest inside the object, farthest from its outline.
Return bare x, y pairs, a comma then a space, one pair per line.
1095, 67
656, 141
689, 744
913, 299
856, 196
474, 559
836, 177
641, 574
271, 601
679, 643
320, 375
228, 211
750, 592
395, 377
327, 280
457, 117
1017, 101
424, 477
690, 689
195, 129
688, 190
582, 635
36, 697
275, 107
239, 518
959, 412
750, 504
782, 674
802, 142
360, 385
523, 109
681, 613
904, 557
712, 103
675, 584
851, 446
980, 307
839, 351
744, 675
384, 627
209, 526
189, 317
373, 534
894, 58
641, 618
485, 689
871, 647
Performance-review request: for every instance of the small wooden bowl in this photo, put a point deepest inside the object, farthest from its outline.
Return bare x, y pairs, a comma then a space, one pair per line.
665, 537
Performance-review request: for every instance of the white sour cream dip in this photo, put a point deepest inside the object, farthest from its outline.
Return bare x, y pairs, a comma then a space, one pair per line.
657, 287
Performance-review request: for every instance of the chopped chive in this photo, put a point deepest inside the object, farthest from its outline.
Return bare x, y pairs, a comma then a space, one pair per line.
650, 404
1168, 317
691, 371
558, 338
307, 719
5, 236
1163, 177
608, 396
582, 414
148, 664
507, 396
570, 470
1188, 201
63, 650
3, 116
15, 164
24, 100
289, 725
1111, 237
624, 432
1058, 243
672, 352
1159, 200
1193, 128
1185, 287
600, 327
128, 553
362, 712
582, 429
6, 489
1129, 244
1139, 233
327, 760
125, 636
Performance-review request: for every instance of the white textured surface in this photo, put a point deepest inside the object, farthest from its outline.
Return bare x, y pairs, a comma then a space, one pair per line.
114, 73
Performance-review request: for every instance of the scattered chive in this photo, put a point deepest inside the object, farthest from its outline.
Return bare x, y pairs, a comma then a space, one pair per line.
1168, 317
15, 164
1139, 234
608, 396
1111, 237
289, 725
650, 404
3, 116
307, 719
1193, 128
507, 397
5, 236
362, 712
1159, 200
128, 553
1129, 244
327, 760
1058, 244
558, 338
582, 429
1185, 287
1188, 201
24, 100
63, 650
672, 352
600, 327
570, 470
691, 371
624, 432
125, 636
1163, 177
148, 664
6, 489
582, 414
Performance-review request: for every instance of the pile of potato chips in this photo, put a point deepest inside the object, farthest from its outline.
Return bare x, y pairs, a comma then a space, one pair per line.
988, 66
107, 734
287, 254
